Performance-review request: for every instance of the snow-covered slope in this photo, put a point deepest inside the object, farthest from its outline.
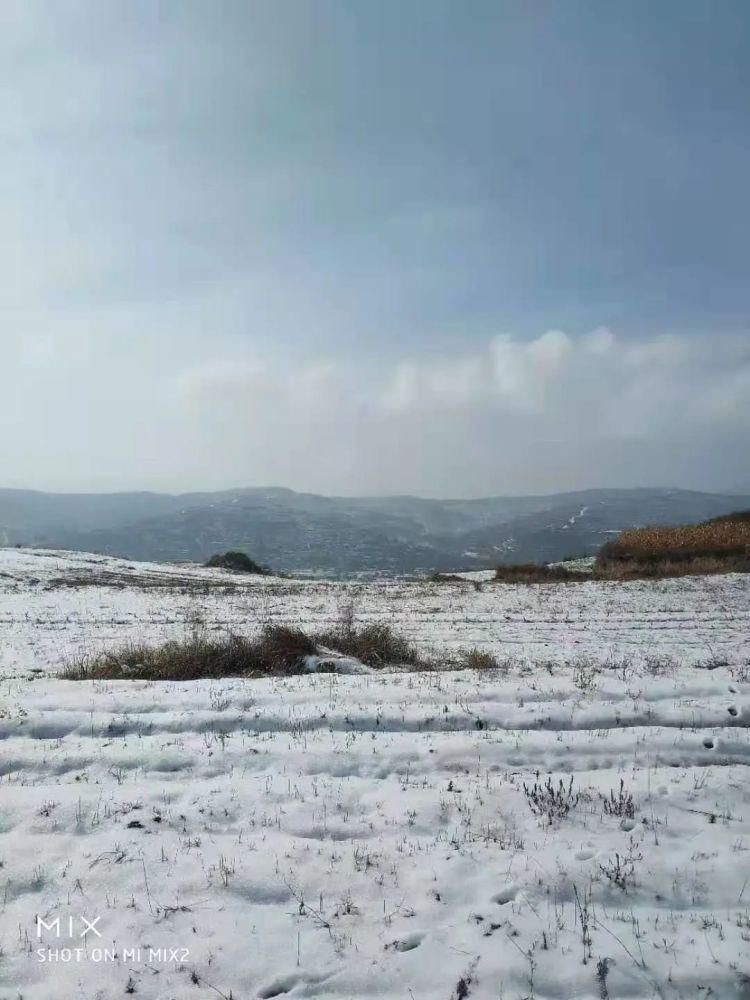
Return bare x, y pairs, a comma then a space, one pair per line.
348, 537
55, 605
370, 836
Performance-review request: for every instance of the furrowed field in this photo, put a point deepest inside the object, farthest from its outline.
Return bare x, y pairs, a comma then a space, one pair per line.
571, 819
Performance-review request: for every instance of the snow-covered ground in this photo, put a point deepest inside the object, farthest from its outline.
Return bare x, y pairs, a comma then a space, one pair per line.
54, 606
369, 835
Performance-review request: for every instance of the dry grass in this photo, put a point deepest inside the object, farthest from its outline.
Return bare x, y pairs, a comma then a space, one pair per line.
737, 515
721, 545
374, 645
722, 538
535, 573
277, 650
647, 570
480, 659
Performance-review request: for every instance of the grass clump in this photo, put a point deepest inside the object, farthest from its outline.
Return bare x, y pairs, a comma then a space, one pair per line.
238, 562
549, 801
277, 650
621, 805
480, 659
375, 645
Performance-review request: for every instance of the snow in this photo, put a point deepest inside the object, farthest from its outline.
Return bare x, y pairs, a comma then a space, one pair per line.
330, 661
55, 606
367, 834
574, 517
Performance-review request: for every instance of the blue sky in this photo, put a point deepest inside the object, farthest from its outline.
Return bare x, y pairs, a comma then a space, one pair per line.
359, 201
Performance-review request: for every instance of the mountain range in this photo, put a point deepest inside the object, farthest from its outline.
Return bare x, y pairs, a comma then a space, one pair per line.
346, 536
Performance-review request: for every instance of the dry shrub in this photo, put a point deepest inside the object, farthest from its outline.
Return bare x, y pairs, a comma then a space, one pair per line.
549, 801
238, 562
276, 650
700, 566
480, 659
535, 573
374, 645
282, 649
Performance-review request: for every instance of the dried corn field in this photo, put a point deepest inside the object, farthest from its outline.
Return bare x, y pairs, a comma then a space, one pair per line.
719, 539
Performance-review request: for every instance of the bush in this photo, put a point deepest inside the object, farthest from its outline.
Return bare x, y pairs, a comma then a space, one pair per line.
480, 659
374, 645
549, 801
622, 804
534, 573
277, 650
238, 562
282, 649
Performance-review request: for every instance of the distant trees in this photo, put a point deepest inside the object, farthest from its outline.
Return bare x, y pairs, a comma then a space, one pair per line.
239, 562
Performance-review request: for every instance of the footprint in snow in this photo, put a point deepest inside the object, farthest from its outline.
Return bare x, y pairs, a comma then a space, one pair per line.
732, 710
708, 744
285, 984
407, 943
506, 894
585, 855
279, 986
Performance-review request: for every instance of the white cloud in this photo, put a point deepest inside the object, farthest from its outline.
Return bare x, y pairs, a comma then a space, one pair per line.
555, 412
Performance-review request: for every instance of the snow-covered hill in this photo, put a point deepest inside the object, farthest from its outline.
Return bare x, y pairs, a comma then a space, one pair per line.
348, 536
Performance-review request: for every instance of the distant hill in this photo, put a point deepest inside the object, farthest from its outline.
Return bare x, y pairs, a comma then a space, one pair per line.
339, 536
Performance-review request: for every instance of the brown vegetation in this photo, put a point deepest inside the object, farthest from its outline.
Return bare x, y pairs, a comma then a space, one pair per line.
480, 659
535, 573
237, 562
718, 539
276, 650
374, 644
721, 545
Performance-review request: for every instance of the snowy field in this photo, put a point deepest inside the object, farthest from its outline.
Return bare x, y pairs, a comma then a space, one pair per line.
370, 836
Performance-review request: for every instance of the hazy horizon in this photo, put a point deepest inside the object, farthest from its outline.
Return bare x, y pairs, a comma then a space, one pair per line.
357, 248
737, 490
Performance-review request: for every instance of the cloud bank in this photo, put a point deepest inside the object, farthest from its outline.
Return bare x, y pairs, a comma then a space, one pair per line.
251, 243
555, 412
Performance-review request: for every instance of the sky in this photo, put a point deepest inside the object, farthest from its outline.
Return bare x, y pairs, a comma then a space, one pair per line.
454, 249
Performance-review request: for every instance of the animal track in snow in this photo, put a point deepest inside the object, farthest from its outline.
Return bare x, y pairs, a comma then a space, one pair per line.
506, 894
407, 943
